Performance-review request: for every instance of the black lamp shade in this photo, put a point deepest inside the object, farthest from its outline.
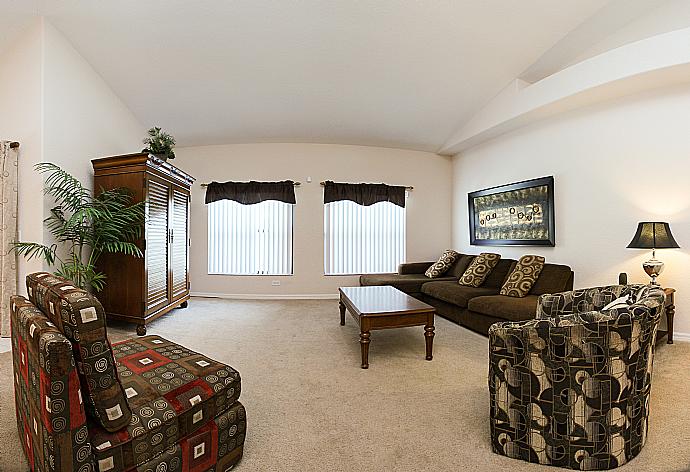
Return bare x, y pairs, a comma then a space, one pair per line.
653, 235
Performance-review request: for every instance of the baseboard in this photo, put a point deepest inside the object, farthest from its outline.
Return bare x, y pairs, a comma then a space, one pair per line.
681, 336
255, 296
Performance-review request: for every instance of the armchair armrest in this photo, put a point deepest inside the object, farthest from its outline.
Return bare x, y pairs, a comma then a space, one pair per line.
413, 267
568, 334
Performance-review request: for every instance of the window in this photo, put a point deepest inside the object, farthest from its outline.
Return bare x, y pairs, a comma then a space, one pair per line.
363, 239
250, 239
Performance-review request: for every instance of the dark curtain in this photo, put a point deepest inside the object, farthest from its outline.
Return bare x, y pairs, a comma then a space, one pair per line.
248, 193
364, 194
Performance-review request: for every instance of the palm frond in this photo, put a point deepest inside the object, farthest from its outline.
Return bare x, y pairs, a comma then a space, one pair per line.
63, 186
85, 226
36, 250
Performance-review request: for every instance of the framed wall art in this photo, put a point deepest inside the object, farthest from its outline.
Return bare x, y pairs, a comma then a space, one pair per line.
518, 214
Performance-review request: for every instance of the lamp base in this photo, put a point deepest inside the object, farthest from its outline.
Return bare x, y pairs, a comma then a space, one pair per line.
653, 268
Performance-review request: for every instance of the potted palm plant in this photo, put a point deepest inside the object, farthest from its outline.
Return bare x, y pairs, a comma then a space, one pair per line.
84, 226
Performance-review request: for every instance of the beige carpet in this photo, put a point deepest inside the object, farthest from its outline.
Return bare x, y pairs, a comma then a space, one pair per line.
311, 408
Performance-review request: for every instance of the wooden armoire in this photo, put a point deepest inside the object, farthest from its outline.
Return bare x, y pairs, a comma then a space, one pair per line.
139, 290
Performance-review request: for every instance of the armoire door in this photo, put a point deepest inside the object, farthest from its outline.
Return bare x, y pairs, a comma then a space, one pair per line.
157, 236
179, 245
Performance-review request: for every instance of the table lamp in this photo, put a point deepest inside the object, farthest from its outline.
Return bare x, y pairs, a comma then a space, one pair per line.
653, 235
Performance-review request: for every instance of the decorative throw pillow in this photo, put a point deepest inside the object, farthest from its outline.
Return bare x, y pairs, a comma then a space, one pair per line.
479, 269
441, 266
523, 276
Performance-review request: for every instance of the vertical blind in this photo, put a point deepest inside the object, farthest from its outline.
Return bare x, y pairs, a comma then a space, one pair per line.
363, 239
250, 239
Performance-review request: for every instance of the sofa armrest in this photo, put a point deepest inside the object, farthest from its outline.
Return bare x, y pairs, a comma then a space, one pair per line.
413, 267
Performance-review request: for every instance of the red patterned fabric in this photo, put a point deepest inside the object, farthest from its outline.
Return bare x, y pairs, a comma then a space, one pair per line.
173, 393
185, 414
80, 317
50, 412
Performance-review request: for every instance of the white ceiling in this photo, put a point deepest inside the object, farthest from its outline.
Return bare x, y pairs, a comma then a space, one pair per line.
397, 73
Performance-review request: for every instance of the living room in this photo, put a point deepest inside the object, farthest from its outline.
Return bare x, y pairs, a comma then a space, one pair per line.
528, 149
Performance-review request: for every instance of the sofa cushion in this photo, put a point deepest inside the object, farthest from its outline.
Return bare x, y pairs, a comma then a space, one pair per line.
522, 278
460, 266
454, 293
173, 392
409, 283
508, 308
554, 278
80, 317
479, 269
441, 266
499, 274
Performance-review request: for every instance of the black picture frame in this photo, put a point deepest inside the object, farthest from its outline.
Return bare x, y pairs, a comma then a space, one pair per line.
521, 194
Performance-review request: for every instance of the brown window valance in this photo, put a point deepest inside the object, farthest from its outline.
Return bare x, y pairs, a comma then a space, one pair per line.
364, 194
248, 193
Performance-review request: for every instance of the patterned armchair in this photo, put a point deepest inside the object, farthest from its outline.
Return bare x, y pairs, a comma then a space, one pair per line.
85, 405
571, 387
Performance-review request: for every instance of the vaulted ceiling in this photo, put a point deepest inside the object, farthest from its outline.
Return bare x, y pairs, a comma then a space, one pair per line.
398, 73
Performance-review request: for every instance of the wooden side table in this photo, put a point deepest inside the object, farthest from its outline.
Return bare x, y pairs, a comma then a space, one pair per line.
670, 309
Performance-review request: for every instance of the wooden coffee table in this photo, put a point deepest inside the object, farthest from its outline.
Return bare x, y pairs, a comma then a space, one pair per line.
384, 307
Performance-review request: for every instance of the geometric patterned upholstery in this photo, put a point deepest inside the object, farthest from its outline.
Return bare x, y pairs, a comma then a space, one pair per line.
81, 318
582, 300
184, 410
50, 413
173, 392
572, 387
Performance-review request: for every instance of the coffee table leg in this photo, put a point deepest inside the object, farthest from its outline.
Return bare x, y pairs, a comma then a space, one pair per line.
364, 343
429, 338
670, 311
342, 313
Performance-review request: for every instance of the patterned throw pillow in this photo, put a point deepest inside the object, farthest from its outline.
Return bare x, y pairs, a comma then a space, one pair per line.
479, 269
80, 317
442, 265
521, 279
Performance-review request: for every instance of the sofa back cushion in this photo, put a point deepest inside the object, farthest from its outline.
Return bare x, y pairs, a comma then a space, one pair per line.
554, 278
441, 266
522, 277
498, 275
460, 266
80, 317
479, 269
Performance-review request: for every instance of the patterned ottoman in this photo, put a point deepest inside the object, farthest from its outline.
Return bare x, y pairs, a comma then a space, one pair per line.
184, 411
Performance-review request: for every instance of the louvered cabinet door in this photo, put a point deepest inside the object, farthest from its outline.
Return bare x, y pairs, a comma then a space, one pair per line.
180, 242
157, 256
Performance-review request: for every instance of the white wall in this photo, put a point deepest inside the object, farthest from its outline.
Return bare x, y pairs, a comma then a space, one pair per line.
20, 120
83, 118
670, 15
428, 205
61, 111
614, 164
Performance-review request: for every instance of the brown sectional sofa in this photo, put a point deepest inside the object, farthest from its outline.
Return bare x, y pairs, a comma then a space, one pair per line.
475, 308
